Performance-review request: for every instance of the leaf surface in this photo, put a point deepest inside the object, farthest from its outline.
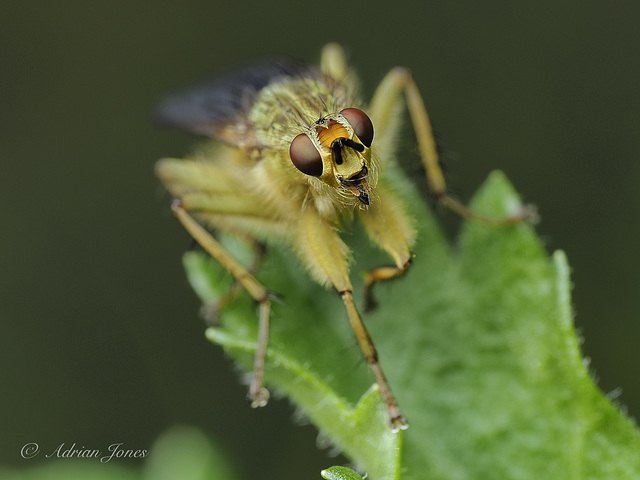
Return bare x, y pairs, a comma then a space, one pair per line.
476, 340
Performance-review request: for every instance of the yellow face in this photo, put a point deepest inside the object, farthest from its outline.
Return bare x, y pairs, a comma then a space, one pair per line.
337, 150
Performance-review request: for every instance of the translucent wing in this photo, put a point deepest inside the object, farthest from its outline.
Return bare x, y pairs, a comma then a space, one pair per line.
219, 108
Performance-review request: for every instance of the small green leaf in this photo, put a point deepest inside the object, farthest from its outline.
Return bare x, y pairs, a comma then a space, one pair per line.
478, 345
340, 473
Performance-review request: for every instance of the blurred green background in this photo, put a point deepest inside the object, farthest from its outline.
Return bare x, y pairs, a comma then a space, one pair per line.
101, 340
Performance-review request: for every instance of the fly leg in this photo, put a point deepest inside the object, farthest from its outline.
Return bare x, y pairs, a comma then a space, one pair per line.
383, 110
211, 310
258, 395
396, 419
388, 225
327, 257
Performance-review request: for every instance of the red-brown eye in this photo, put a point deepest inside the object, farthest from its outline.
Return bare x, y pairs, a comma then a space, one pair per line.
304, 156
361, 124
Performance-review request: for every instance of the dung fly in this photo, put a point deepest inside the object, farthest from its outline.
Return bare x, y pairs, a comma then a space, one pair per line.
296, 154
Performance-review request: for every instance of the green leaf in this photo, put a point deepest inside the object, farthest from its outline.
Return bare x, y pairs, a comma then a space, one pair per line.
477, 342
340, 473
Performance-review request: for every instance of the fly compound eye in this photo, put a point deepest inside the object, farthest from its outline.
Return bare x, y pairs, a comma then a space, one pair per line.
361, 124
305, 156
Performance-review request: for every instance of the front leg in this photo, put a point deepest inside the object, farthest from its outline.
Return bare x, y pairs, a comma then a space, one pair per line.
258, 395
383, 109
388, 225
327, 258
211, 310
